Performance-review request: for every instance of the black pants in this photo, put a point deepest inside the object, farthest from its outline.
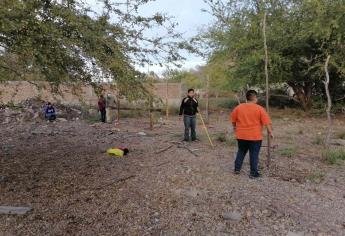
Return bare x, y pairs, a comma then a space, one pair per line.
103, 115
254, 149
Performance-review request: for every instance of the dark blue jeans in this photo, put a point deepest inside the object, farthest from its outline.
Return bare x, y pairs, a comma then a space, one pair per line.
189, 123
254, 149
103, 115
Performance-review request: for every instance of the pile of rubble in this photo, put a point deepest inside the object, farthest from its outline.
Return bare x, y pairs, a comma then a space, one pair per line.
33, 110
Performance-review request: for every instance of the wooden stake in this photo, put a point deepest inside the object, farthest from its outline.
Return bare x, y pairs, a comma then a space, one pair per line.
151, 100
167, 99
267, 90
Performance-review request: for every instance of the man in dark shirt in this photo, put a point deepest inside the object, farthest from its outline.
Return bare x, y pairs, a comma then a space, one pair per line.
189, 108
101, 108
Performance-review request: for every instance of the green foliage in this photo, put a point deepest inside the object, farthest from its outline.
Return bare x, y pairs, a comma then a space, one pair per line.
333, 156
228, 103
288, 152
316, 177
300, 35
59, 41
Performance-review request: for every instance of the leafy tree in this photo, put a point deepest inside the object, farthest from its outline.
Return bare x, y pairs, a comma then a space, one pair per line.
65, 40
300, 34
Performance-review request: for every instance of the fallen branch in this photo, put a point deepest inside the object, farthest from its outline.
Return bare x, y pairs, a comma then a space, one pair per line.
164, 149
191, 151
118, 181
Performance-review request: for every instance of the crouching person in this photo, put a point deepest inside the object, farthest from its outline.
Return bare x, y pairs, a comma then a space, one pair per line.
50, 112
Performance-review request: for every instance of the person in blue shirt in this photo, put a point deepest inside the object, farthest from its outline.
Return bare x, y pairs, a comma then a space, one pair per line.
50, 112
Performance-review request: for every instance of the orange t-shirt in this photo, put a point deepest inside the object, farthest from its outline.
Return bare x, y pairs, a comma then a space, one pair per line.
250, 119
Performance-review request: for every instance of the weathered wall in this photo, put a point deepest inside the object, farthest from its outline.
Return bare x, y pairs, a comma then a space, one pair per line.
174, 92
70, 94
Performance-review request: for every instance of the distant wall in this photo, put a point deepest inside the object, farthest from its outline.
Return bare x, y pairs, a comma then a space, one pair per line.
174, 92
67, 94
71, 94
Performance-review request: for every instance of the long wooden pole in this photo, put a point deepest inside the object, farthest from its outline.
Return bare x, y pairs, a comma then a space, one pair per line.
206, 130
267, 90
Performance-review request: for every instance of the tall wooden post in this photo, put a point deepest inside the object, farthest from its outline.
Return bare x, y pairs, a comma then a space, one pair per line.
207, 99
267, 90
151, 102
167, 99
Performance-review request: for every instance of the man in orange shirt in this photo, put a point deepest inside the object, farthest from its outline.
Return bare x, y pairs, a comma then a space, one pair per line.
248, 120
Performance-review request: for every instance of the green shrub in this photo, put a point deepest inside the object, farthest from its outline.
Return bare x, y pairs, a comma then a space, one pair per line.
341, 134
227, 104
318, 140
316, 177
224, 138
288, 152
333, 156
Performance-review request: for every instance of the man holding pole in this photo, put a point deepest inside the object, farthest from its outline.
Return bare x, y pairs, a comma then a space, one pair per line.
189, 109
248, 120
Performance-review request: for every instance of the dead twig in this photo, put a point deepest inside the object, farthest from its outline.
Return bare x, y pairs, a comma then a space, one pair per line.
119, 180
164, 149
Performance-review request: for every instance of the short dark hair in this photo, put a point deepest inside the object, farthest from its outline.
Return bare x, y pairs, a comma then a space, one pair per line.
48, 103
190, 90
251, 94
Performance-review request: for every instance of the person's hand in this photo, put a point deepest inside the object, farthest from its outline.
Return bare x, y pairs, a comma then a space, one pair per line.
179, 118
271, 135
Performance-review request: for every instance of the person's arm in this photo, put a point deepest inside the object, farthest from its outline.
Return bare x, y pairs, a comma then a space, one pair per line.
266, 121
196, 105
233, 118
181, 108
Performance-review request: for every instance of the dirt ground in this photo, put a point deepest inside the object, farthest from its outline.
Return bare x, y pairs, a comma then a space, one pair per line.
61, 170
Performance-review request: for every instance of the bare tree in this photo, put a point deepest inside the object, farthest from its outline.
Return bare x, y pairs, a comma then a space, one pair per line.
329, 102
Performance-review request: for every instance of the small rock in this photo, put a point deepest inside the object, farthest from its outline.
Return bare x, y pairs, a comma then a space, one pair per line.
249, 214
290, 233
142, 134
234, 216
61, 119
2, 179
14, 210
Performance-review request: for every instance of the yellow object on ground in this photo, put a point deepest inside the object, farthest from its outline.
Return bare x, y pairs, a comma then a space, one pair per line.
116, 152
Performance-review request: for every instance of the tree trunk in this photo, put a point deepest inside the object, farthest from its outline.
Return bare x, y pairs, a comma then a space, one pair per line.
118, 107
267, 90
329, 103
303, 94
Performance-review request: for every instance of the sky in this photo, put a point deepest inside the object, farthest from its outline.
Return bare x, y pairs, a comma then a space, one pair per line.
188, 15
